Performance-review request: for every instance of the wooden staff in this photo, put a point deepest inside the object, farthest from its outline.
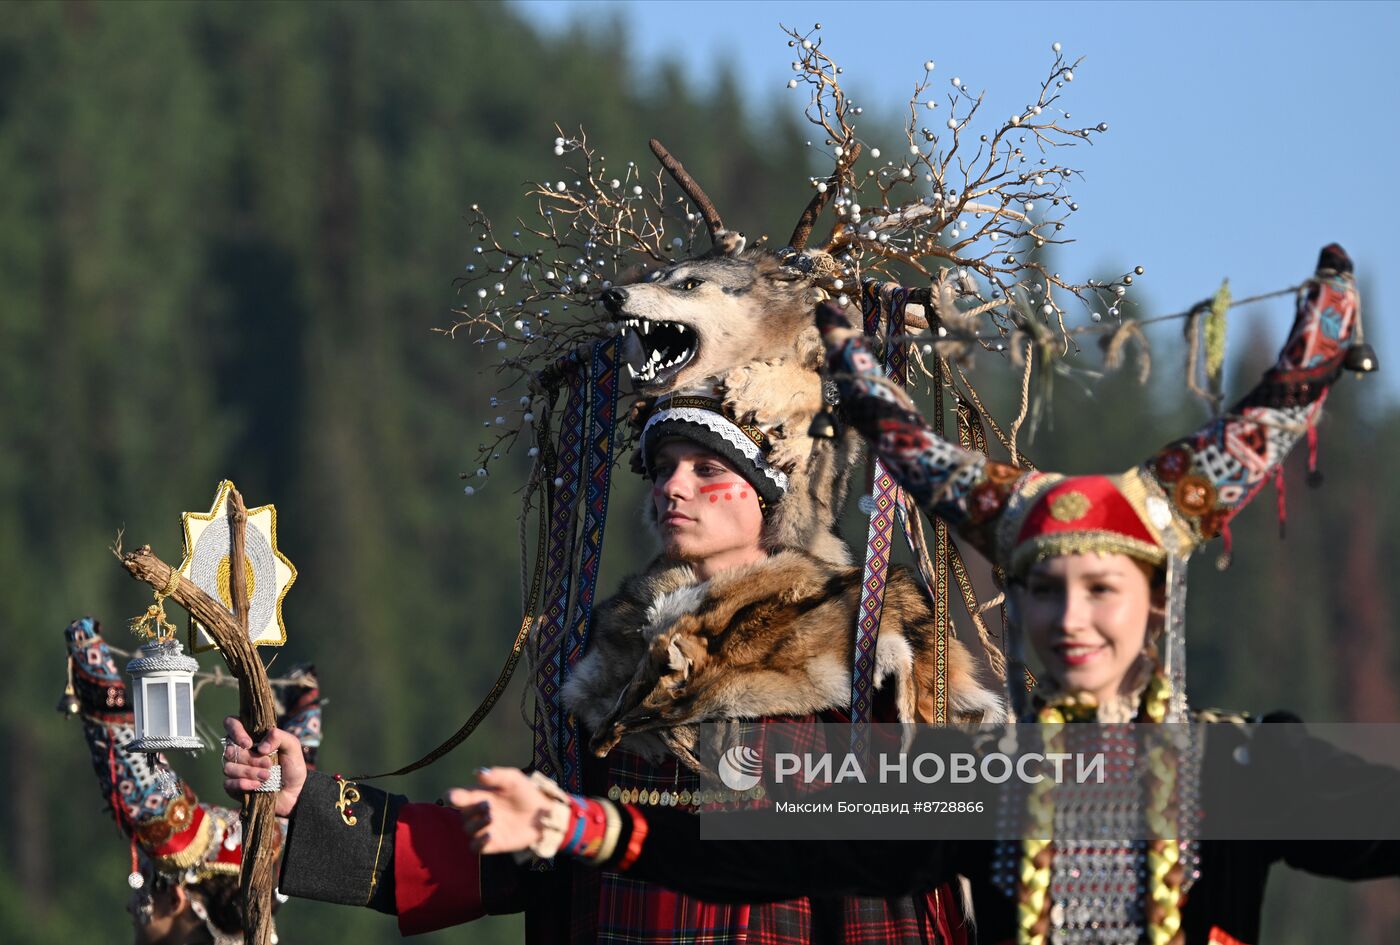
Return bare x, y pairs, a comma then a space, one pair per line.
256, 708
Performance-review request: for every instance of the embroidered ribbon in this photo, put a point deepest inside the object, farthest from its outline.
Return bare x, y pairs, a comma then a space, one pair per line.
563, 503
888, 497
943, 550
604, 386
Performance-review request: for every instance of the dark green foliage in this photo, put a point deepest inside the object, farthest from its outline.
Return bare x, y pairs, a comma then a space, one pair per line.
226, 234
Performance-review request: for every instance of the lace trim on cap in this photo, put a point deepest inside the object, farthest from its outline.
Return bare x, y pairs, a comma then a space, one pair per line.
726, 429
1095, 541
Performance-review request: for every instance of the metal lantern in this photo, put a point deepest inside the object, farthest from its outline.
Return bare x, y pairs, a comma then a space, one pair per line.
162, 684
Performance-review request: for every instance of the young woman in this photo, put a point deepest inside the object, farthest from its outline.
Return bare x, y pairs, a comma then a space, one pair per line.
1091, 564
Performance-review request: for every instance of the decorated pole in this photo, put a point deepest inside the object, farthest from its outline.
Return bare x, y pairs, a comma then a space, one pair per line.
230, 632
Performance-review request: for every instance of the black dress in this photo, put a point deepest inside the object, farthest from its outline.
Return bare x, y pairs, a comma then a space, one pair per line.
1306, 782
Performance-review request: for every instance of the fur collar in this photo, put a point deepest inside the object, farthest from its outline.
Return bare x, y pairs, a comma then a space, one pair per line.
773, 638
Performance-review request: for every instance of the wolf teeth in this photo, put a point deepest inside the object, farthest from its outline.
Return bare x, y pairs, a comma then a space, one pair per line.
654, 358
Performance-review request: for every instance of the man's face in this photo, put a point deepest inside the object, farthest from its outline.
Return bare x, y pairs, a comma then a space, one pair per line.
1086, 617
708, 514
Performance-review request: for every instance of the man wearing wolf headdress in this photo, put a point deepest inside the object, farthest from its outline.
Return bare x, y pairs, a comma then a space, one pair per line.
1088, 560
726, 360
185, 854
734, 570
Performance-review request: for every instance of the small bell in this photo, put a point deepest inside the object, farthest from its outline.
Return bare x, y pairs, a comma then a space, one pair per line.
823, 426
1361, 358
68, 704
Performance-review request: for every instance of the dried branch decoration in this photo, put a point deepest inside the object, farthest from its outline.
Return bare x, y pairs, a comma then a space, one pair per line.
969, 215
986, 213
532, 294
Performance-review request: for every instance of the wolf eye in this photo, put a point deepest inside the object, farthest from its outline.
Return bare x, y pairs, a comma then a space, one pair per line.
689, 284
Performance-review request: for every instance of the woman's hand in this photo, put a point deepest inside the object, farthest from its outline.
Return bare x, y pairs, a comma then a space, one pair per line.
505, 814
246, 767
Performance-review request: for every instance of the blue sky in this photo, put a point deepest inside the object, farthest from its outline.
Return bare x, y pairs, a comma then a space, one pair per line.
1243, 136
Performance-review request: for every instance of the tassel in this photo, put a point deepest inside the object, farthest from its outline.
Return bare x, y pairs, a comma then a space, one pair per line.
134, 879
1280, 489
1223, 562
1314, 474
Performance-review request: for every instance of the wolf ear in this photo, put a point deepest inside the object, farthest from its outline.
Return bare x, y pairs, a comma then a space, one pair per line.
728, 243
677, 661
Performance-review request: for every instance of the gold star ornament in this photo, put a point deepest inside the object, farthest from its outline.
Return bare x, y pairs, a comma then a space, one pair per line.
267, 574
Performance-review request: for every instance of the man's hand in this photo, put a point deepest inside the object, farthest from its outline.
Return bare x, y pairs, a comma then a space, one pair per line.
246, 767
506, 814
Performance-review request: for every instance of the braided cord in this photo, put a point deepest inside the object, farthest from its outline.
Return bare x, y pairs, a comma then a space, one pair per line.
1037, 852
1164, 871
153, 624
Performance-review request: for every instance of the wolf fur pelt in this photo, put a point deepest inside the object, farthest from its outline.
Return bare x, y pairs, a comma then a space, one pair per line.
774, 638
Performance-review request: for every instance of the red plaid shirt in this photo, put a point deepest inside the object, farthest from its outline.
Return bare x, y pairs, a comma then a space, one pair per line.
579, 906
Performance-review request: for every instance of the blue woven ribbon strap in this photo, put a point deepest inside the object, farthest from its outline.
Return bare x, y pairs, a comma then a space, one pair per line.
559, 559
602, 424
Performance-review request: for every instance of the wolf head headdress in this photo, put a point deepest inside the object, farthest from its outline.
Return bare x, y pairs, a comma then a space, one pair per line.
720, 342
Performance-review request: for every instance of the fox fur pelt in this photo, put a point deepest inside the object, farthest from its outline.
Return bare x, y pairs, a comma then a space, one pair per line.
773, 638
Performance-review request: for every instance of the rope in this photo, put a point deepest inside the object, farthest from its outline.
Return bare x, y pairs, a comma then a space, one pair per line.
1194, 367
153, 624
1192, 310
217, 677
1025, 398
1016, 458
977, 339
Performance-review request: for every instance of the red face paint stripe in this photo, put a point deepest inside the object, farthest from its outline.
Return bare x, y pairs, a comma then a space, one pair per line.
718, 486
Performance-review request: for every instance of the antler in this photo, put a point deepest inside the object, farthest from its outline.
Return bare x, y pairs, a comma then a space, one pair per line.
803, 230
692, 190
